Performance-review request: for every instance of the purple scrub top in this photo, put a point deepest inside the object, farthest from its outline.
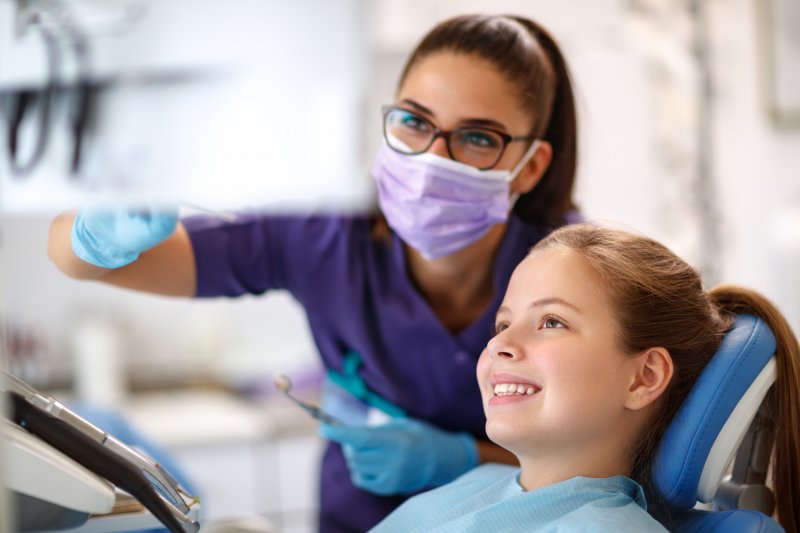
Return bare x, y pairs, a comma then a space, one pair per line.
358, 296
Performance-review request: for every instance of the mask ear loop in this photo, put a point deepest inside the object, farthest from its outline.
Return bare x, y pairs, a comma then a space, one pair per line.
525, 158
518, 168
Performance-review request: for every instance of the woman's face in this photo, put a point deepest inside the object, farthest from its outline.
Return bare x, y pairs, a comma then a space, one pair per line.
457, 90
555, 347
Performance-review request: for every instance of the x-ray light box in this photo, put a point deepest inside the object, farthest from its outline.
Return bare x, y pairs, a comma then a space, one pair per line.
218, 102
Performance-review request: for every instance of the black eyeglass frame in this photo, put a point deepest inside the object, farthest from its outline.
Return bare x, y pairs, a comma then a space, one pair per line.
437, 132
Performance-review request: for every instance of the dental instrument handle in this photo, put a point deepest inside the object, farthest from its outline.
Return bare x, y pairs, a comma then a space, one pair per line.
227, 217
12, 383
167, 484
94, 456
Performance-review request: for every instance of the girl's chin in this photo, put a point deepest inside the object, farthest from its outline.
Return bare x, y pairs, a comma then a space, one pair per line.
509, 438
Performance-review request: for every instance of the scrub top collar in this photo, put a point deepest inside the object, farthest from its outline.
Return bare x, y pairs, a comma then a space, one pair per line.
506, 259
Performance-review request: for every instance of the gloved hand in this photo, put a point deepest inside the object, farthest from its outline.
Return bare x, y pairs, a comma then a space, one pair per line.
113, 237
403, 455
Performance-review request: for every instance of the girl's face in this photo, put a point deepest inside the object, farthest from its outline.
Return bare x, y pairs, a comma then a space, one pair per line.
457, 90
553, 379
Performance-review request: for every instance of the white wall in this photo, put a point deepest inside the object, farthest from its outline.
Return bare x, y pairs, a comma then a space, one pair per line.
756, 162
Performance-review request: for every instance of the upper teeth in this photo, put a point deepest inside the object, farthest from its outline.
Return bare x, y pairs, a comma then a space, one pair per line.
505, 389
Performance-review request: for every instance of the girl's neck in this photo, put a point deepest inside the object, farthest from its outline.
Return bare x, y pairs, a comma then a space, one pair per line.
542, 470
458, 287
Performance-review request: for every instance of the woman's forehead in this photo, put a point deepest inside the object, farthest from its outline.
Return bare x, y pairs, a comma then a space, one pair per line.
457, 86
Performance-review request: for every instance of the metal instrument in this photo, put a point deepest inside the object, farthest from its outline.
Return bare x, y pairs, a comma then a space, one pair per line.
284, 384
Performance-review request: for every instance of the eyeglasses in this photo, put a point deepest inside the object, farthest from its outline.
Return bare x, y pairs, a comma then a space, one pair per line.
408, 133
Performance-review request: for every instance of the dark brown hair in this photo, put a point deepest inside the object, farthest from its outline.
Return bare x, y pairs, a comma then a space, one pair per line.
528, 56
658, 300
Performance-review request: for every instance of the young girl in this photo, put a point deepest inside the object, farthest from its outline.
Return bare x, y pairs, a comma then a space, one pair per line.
478, 165
599, 338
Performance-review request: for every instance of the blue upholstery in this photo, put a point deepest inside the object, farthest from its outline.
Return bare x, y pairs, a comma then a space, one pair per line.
739, 521
680, 460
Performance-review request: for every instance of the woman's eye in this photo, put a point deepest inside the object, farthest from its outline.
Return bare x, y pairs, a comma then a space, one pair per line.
479, 139
551, 322
413, 122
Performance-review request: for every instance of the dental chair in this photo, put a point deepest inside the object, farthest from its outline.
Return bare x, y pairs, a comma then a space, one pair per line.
721, 420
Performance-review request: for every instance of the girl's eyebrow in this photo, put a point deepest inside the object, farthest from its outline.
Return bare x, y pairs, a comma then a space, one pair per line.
478, 122
540, 303
553, 300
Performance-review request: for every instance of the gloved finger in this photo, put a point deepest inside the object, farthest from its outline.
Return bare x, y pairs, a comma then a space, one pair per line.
377, 484
162, 219
366, 464
364, 481
358, 436
350, 454
375, 459
357, 459
355, 464
127, 226
359, 481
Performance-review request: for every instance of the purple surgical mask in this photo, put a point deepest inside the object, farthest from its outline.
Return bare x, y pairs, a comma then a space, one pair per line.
438, 205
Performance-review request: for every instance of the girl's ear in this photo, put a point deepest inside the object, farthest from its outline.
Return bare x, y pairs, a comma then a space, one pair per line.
532, 172
653, 372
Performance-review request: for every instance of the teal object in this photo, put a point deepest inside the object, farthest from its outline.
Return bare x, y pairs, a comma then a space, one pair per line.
349, 380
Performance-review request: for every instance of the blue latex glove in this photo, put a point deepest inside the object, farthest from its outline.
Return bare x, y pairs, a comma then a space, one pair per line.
403, 455
113, 237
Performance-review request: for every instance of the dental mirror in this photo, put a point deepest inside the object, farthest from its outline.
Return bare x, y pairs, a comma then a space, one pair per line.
284, 384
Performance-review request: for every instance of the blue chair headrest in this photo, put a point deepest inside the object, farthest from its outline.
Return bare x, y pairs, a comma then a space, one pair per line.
713, 419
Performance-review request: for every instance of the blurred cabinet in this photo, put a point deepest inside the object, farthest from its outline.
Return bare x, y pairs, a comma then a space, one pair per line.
242, 459
276, 478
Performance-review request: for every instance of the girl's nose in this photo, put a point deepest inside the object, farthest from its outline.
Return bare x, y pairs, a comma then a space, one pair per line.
501, 346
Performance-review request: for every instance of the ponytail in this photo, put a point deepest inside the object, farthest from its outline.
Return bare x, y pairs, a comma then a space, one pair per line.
551, 199
785, 398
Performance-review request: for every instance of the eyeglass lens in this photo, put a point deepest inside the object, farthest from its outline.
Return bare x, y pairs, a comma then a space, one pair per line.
410, 133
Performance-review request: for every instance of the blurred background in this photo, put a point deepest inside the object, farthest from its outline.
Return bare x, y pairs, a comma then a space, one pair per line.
689, 124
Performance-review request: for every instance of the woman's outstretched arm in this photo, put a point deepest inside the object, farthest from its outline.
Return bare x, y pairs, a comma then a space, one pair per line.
167, 268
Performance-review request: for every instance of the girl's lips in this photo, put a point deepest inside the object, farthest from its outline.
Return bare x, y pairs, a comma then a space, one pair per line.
507, 377
497, 378
512, 398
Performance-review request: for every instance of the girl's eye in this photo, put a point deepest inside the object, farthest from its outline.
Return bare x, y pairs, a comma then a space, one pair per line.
551, 323
500, 326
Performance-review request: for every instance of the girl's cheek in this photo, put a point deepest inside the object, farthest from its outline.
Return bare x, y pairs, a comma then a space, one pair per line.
482, 369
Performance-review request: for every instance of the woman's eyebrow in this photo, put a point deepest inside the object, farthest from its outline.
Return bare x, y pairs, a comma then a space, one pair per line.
477, 122
484, 123
417, 106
